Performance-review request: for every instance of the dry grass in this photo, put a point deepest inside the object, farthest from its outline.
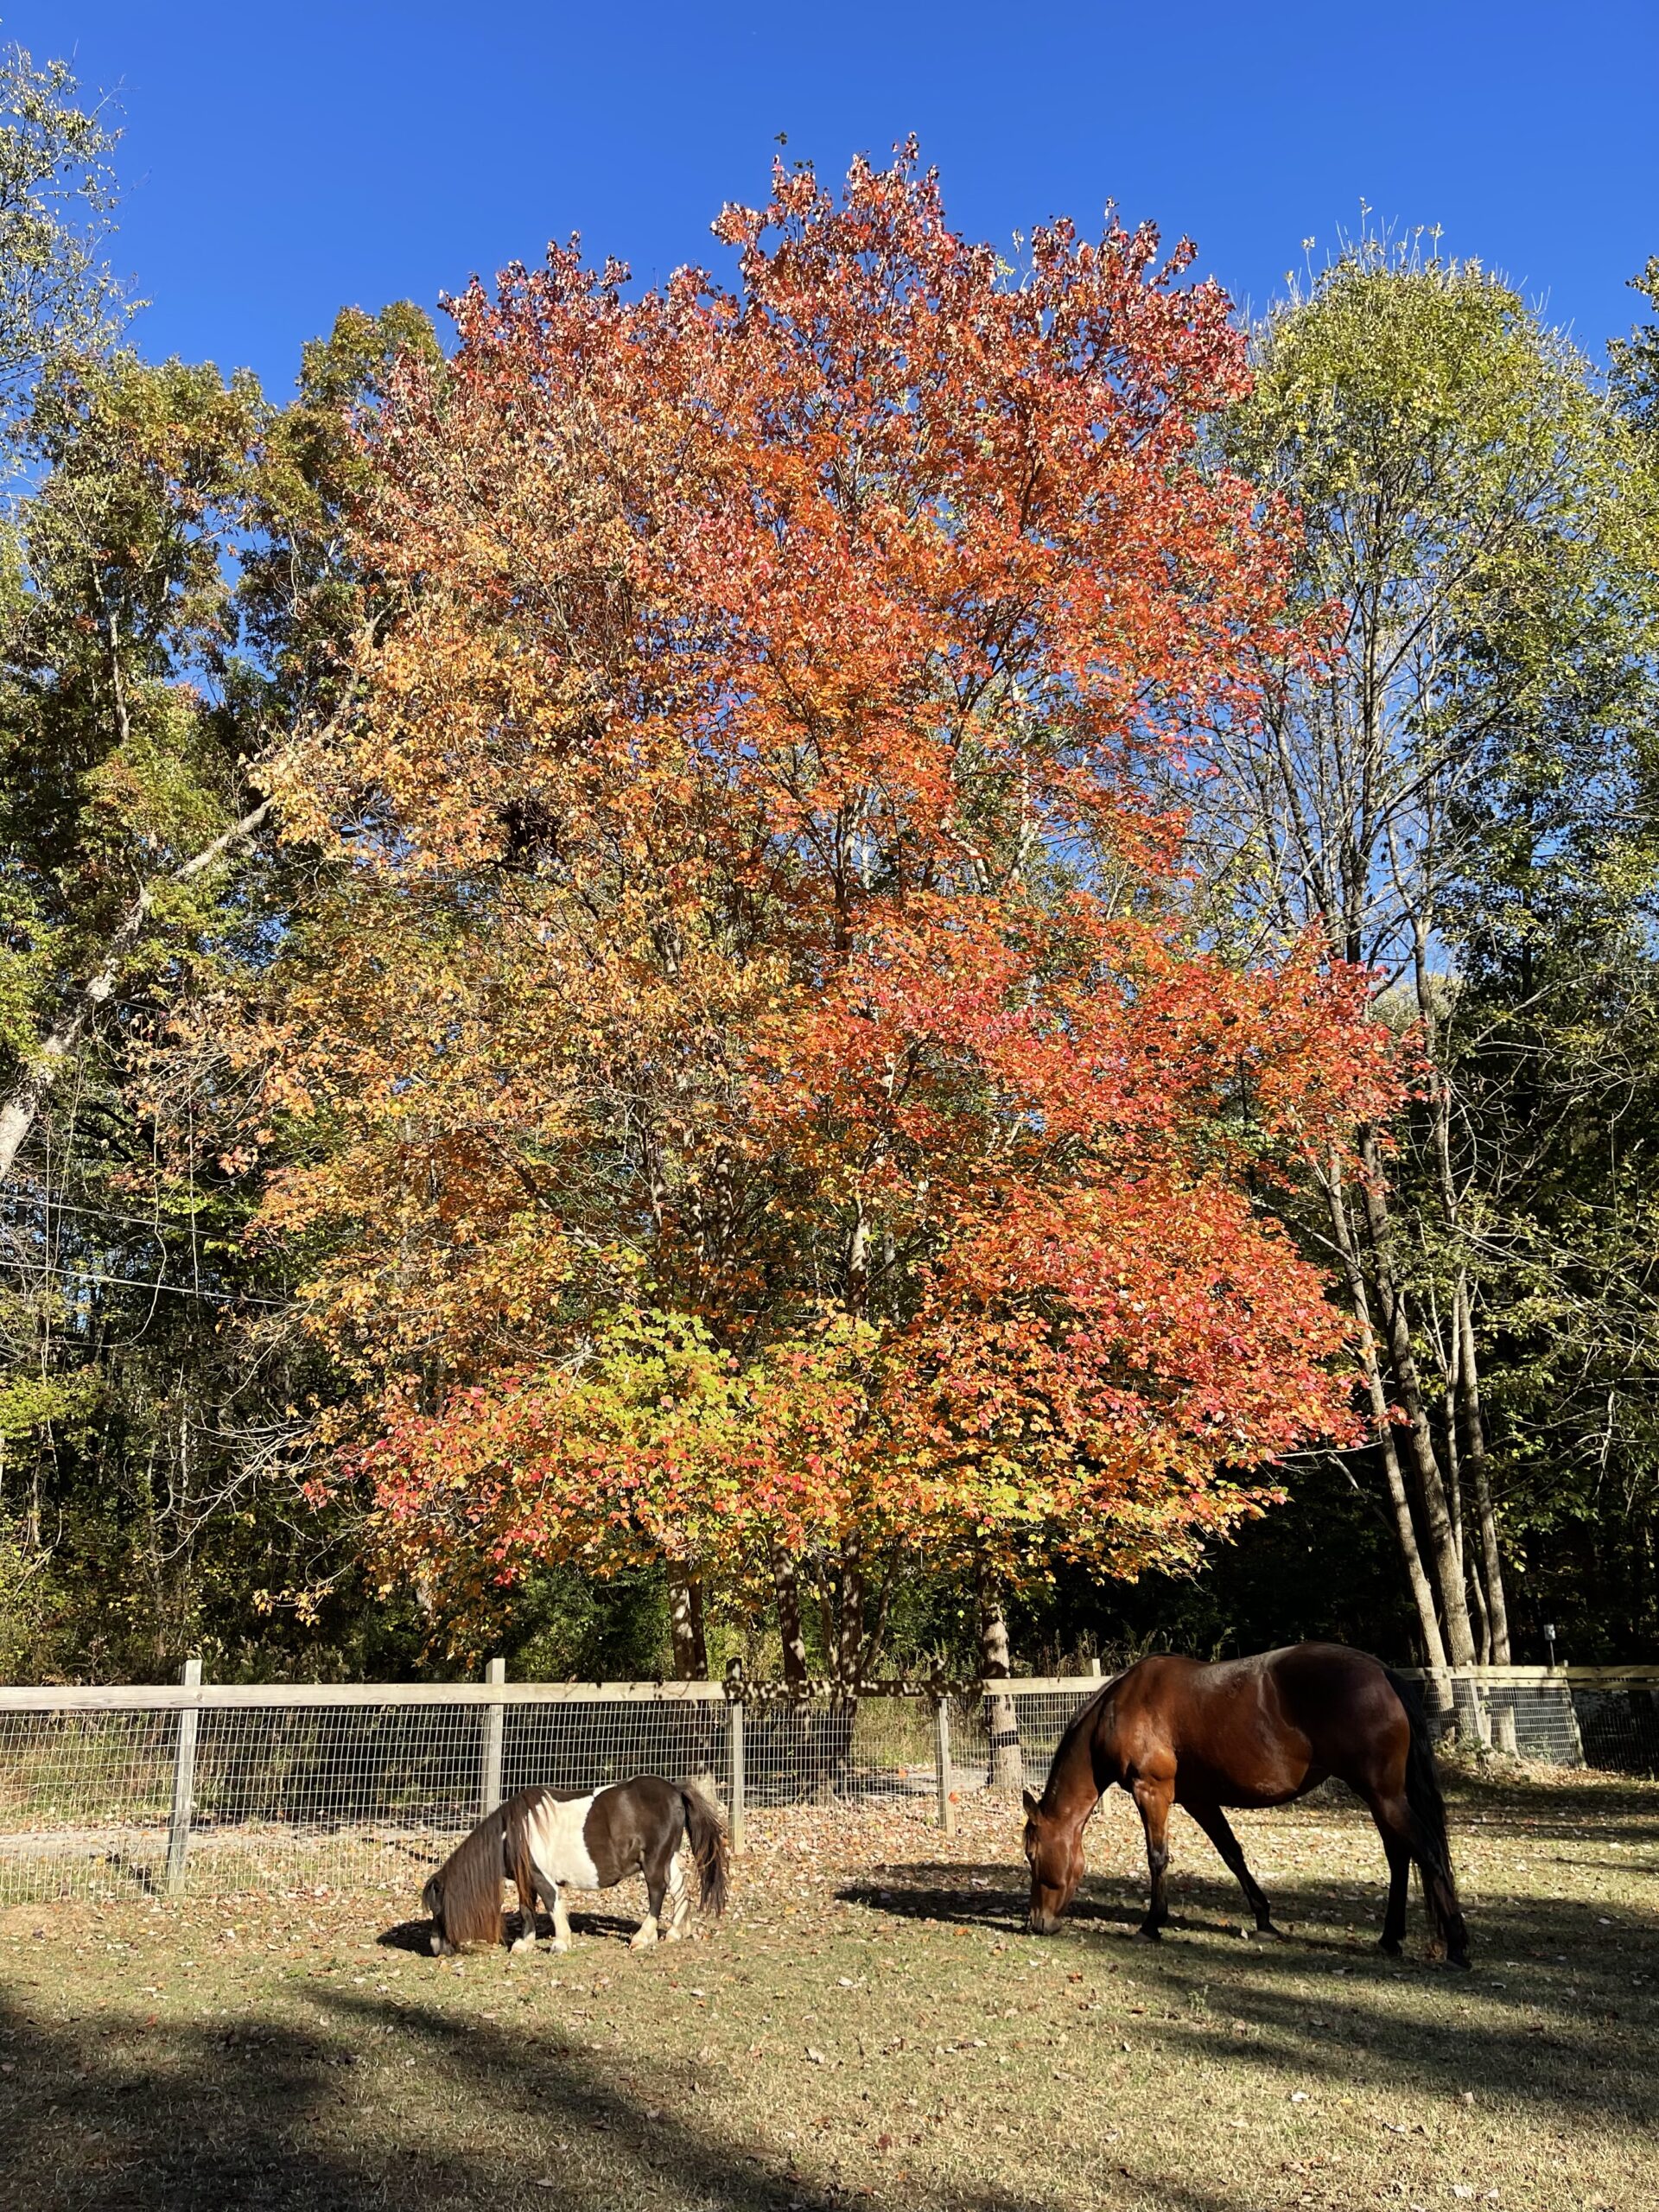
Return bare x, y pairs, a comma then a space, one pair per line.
871, 2026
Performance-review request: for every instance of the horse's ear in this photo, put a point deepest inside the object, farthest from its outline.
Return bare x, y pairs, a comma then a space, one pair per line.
1032, 1805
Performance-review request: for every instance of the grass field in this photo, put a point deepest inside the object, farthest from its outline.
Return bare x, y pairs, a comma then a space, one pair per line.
870, 2025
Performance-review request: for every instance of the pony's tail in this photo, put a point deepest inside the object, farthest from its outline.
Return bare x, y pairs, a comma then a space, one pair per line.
708, 1842
1431, 1846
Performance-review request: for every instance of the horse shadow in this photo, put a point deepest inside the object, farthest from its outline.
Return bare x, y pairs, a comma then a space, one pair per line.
415, 1935
935, 1891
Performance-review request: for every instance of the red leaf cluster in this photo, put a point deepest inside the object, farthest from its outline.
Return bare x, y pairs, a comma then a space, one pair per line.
770, 1098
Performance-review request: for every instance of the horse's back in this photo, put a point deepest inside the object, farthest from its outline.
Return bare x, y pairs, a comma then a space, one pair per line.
1263, 1730
1339, 1703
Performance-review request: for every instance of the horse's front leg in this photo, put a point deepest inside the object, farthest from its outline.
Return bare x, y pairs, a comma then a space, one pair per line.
1154, 1795
1219, 1829
526, 1939
561, 1920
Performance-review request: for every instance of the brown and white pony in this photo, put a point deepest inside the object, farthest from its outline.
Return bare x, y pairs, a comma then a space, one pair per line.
543, 1839
1261, 1731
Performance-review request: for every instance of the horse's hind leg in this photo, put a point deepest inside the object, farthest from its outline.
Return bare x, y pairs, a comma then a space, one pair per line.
1400, 1840
1219, 1829
660, 1862
1394, 1920
678, 1900
1153, 1798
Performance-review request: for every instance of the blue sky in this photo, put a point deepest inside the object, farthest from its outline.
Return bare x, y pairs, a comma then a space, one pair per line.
286, 159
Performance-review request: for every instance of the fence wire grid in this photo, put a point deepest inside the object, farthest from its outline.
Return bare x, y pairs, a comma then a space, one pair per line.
110, 1793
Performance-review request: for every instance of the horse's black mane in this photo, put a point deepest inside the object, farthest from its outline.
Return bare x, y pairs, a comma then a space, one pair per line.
1084, 1717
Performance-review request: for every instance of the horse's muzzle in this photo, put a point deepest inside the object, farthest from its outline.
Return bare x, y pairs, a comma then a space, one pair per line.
1043, 1923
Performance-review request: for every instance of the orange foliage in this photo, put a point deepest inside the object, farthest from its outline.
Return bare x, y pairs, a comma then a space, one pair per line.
751, 1089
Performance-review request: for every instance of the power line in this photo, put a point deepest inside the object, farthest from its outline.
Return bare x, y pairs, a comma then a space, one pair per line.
156, 1228
142, 1284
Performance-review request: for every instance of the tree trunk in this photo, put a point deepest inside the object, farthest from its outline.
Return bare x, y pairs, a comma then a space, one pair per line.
1423, 1596
1007, 1766
786, 1584
1474, 1434
849, 1627
685, 1621
1465, 1359
21, 1110
1402, 1357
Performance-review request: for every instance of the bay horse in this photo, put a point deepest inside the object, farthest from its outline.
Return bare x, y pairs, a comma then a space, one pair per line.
1262, 1731
543, 1839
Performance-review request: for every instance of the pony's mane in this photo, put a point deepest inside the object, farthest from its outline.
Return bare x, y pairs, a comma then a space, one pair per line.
464, 1894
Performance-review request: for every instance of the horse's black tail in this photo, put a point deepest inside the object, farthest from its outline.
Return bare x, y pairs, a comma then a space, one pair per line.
708, 1840
1431, 1846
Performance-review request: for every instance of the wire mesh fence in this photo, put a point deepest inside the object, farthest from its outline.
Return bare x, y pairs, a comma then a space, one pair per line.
127, 1791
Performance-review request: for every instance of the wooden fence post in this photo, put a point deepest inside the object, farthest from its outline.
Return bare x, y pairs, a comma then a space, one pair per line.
184, 1783
734, 1748
489, 1791
942, 1762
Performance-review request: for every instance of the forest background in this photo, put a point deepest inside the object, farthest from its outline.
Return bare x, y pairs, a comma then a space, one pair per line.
1115, 1104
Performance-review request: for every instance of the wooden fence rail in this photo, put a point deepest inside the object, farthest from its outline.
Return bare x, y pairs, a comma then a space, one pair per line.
270, 1760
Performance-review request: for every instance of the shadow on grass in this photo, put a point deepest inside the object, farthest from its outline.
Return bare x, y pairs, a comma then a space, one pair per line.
415, 1935
379, 2101
1541, 2021
1520, 1801
272, 2119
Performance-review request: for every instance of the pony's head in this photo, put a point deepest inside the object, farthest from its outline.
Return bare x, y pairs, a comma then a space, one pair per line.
1054, 1854
464, 1896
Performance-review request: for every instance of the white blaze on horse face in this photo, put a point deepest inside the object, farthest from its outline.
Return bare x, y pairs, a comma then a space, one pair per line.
558, 1845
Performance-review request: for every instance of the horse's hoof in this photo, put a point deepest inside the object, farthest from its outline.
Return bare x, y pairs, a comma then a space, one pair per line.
556, 1945
1388, 1948
1146, 1933
1462, 1961
1265, 1930
521, 1944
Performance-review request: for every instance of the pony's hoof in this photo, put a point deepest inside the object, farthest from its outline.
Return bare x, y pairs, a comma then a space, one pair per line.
521, 1944
1148, 1932
644, 1940
558, 1945
1462, 1961
1388, 1948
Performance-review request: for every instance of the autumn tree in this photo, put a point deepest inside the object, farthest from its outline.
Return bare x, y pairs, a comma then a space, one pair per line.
746, 1089
174, 604
1468, 523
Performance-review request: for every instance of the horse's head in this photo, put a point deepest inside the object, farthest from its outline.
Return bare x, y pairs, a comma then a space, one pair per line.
1054, 1854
